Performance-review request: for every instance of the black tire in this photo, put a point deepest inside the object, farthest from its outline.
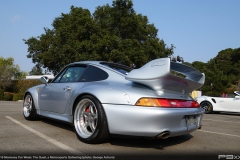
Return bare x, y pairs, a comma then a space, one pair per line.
90, 121
216, 112
29, 110
207, 107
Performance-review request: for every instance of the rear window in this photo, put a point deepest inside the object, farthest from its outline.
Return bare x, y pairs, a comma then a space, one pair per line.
118, 67
93, 74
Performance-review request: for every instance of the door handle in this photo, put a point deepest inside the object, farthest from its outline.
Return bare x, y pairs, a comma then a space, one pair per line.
67, 88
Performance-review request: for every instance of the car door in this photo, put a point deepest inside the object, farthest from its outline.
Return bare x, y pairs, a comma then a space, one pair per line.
230, 104
55, 96
236, 104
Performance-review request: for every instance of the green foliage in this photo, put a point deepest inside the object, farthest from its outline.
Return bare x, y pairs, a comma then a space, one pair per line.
223, 72
8, 96
22, 85
17, 89
18, 96
9, 71
36, 70
1, 94
112, 33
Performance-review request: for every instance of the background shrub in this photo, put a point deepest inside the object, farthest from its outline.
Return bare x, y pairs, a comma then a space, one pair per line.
20, 86
1, 94
23, 85
18, 96
8, 96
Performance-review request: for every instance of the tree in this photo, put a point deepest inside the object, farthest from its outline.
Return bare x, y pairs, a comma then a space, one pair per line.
9, 71
112, 33
222, 72
36, 70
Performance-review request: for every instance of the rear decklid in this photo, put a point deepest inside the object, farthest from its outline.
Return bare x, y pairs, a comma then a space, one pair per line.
162, 74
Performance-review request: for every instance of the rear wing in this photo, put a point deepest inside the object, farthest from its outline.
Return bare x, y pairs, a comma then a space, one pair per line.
162, 74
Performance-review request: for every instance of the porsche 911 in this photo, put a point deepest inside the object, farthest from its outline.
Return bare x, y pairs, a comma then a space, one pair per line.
103, 99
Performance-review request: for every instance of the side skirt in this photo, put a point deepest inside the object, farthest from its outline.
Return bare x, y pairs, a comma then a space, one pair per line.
56, 116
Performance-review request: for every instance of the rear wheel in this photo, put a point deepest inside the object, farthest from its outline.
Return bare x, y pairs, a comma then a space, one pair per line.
29, 111
207, 107
90, 121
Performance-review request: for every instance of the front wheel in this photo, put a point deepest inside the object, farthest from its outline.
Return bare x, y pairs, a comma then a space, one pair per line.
90, 121
29, 111
207, 107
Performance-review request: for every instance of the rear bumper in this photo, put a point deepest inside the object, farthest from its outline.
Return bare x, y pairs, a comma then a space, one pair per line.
150, 121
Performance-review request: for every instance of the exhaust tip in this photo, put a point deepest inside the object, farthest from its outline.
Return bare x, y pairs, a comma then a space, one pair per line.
164, 135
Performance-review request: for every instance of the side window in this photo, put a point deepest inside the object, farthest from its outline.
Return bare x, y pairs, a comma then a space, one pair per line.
71, 74
93, 74
57, 79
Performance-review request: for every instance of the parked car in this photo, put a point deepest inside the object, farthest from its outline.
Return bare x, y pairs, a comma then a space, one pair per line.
220, 104
102, 99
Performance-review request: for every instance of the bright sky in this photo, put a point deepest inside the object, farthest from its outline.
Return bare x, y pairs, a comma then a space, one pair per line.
198, 29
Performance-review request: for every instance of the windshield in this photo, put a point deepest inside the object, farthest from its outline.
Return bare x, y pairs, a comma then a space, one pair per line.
237, 93
118, 67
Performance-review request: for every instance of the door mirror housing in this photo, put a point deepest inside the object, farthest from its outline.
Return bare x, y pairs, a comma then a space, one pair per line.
44, 79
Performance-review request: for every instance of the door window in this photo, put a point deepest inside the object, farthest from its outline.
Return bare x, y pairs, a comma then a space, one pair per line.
70, 74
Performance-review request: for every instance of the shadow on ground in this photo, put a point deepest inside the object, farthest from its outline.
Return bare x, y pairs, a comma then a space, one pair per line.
160, 144
134, 142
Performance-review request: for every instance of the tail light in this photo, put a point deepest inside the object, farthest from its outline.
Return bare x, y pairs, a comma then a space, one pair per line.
167, 103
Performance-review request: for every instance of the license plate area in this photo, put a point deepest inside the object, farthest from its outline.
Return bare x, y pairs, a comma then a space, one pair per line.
191, 122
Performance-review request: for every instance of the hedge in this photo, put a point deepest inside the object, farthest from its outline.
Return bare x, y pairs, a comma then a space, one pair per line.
8, 96
18, 96
20, 86
1, 94
17, 89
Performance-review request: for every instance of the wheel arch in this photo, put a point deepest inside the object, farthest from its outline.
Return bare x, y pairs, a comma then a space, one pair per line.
34, 94
81, 95
205, 101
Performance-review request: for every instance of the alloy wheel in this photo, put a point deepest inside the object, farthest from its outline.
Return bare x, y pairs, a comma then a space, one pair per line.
85, 118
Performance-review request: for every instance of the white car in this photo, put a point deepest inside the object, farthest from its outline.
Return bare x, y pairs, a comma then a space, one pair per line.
220, 104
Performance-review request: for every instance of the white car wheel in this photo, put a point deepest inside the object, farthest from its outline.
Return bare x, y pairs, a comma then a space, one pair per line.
207, 107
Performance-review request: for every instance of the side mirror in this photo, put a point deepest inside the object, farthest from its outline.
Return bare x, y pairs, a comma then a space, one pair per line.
238, 97
44, 79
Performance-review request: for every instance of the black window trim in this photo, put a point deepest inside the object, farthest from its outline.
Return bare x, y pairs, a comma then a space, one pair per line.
109, 64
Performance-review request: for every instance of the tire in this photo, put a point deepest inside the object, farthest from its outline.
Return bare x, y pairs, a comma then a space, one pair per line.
216, 112
207, 107
29, 111
89, 121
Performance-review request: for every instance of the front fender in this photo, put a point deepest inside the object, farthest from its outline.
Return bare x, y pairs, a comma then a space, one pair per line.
34, 92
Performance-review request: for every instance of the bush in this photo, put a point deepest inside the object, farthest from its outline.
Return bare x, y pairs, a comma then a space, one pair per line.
1, 94
22, 85
18, 96
8, 96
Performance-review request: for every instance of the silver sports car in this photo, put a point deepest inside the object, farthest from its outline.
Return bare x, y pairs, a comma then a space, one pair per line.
102, 99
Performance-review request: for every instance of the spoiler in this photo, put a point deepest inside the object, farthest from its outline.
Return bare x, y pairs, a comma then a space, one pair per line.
162, 74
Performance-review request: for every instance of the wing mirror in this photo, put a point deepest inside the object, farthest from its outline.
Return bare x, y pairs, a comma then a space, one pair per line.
44, 79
